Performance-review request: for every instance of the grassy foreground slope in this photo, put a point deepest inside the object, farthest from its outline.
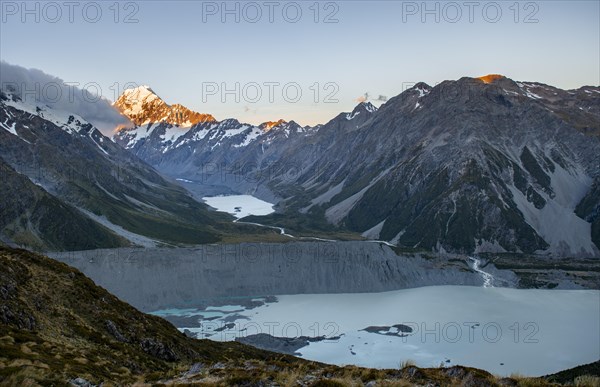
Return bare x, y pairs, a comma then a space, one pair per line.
56, 326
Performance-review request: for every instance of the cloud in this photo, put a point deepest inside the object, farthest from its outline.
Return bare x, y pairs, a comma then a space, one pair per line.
366, 97
363, 98
247, 109
35, 86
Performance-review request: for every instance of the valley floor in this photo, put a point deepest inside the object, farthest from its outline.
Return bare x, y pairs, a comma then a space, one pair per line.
58, 328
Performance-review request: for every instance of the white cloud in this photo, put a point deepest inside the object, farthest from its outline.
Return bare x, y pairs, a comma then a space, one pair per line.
35, 86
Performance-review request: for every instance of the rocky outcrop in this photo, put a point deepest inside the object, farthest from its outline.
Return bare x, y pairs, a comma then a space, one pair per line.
287, 345
158, 349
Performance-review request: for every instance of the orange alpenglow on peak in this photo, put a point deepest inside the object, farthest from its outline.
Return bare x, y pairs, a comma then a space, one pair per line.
270, 124
491, 78
142, 106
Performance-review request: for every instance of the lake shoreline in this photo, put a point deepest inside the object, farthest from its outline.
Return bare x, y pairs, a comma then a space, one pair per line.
522, 330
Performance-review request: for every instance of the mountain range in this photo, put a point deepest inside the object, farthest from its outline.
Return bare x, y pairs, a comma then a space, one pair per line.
473, 165
65, 186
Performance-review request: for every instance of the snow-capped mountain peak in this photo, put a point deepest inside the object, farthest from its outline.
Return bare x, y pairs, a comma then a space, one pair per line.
137, 97
69, 122
143, 106
422, 88
364, 108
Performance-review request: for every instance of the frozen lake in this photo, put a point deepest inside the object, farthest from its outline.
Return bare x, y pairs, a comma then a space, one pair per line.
239, 205
532, 332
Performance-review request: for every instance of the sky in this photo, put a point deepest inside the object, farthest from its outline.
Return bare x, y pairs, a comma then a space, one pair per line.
303, 60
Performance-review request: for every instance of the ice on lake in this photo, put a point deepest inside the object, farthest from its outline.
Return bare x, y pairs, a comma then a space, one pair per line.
240, 205
529, 331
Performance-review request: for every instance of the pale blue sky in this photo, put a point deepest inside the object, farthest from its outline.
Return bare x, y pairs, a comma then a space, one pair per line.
370, 49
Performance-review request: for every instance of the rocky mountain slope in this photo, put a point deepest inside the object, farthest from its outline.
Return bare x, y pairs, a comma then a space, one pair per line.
217, 272
93, 183
58, 328
30, 216
473, 165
